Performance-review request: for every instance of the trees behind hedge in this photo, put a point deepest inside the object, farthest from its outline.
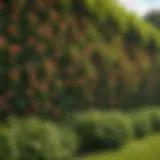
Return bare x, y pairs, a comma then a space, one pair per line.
58, 56
153, 17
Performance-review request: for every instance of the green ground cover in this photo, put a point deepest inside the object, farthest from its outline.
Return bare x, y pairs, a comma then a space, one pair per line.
146, 149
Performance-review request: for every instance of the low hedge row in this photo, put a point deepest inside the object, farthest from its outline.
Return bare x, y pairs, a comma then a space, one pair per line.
145, 122
101, 130
36, 139
33, 138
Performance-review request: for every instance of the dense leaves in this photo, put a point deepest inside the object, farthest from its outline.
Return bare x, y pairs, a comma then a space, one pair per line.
59, 56
99, 130
153, 18
33, 138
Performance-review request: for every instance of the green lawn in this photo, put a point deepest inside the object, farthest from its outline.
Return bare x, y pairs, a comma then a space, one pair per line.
146, 149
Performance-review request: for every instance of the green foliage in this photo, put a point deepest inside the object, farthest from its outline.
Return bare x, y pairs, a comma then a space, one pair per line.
154, 116
146, 121
9, 147
32, 138
57, 56
102, 130
153, 18
147, 149
142, 124
99, 130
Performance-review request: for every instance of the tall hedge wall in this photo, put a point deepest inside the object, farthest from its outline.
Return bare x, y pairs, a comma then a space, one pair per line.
57, 56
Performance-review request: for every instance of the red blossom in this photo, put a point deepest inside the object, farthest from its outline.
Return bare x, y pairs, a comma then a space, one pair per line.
14, 49
63, 26
14, 74
54, 15
70, 70
11, 29
2, 100
2, 41
49, 34
41, 47
57, 112
48, 105
31, 41
1, 5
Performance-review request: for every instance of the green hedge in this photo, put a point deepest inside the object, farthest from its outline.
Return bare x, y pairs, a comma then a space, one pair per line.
36, 139
33, 138
100, 130
142, 124
59, 56
146, 121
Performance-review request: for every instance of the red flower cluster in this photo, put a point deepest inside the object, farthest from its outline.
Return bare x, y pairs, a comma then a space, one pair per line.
14, 49
14, 74
2, 41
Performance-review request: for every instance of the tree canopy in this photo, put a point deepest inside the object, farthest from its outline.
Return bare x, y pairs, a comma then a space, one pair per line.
153, 17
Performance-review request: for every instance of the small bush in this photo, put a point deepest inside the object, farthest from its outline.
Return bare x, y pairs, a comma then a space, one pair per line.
39, 140
8, 144
88, 128
141, 124
154, 115
70, 141
118, 130
102, 130
36, 139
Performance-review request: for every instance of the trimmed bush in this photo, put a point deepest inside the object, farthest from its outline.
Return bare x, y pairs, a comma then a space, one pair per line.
146, 121
48, 65
102, 130
36, 139
70, 141
33, 138
154, 115
141, 124
118, 129
8, 144
88, 129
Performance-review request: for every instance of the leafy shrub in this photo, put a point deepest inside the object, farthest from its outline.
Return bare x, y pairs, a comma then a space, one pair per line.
39, 140
118, 129
88, 128
154, 115
70, 141
141, 124
49, 62
32, 138
102, 130
8, 144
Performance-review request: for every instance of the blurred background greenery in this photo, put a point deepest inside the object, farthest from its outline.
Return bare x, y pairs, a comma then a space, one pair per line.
76, 76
